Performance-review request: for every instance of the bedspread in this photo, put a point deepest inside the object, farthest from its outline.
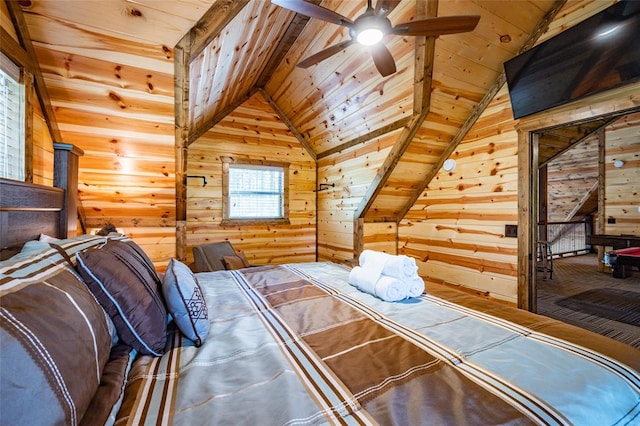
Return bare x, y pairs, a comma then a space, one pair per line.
296, 345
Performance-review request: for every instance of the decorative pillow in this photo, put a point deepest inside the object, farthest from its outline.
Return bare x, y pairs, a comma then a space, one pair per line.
185, 301
238, 261
55, 342
119, 275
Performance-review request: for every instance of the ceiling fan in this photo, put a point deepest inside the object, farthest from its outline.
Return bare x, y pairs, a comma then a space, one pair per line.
369, 28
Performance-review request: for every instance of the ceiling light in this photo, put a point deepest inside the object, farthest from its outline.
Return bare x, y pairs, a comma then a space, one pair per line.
618, 163
369, 36
369, 29
449, 165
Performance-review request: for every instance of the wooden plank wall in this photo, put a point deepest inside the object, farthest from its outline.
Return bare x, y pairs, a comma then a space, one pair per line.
351, 172
456, 228
570, 176
622, 185
252, 132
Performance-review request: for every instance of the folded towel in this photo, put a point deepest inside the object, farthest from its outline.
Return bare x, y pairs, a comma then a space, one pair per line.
393, 266
386, 288
415, 286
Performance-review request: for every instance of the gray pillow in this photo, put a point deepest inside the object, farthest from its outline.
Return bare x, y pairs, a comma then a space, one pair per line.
54, 342
128, 288
185, 301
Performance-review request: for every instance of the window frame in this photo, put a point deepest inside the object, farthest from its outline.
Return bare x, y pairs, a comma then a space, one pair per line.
14, 53
15, 72
227, 220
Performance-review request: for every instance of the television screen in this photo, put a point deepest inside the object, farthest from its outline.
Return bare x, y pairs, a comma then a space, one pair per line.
599, 53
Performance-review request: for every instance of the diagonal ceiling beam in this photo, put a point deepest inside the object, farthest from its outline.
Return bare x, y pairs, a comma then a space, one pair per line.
482, 105
212, 22
371, 135
41, 88
290, 125
425, 51
205, 126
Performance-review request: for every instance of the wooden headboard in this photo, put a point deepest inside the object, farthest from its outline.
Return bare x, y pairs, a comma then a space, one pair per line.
28, 210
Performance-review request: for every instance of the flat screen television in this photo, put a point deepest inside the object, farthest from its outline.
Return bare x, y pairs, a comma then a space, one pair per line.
600, 53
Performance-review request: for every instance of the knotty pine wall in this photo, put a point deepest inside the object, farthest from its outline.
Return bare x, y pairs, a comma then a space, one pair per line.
455, 229
569, 177
252, 131
622, 185
351, 172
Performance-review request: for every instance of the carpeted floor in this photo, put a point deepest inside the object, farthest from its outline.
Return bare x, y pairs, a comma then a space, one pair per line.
580, 295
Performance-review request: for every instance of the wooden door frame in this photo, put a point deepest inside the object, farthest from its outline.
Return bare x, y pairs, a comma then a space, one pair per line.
601, 105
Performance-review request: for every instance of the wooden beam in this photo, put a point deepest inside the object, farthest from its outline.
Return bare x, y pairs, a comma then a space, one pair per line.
212, 22
205, 126
602, 201
371, 135
482, 105
14, 51
582, 201
182, 55
41, 88
289, 124
425, 52
298, 22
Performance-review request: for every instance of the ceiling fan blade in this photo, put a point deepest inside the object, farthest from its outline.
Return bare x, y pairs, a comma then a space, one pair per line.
314, 11
383, 60
437, 26
324, 54
384, 7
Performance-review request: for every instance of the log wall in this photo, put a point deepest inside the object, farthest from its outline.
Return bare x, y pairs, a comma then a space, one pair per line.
252, 132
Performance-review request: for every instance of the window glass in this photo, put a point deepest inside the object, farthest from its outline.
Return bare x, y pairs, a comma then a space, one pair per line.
256, 192
11, 121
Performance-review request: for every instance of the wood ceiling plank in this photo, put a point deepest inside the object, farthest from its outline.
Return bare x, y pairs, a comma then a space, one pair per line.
124, 20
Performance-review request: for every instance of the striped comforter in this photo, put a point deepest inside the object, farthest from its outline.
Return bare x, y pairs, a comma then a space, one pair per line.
297, 345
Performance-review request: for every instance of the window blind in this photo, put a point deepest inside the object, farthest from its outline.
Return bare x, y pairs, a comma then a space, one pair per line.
11, 121
256, 192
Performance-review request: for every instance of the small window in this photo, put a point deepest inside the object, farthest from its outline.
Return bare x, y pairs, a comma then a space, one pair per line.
255, 191
12, 146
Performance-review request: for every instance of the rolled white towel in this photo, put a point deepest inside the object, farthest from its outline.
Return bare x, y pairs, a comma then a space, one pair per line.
394, 266
390, 289
415, 286
386, 288
362, 278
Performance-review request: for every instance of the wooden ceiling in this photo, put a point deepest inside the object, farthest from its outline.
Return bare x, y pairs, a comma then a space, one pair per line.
441, 85
112, 60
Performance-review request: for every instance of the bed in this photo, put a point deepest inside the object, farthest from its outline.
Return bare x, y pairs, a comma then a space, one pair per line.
291, 344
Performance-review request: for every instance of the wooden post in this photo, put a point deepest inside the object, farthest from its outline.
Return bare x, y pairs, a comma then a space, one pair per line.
527, 194
600, 223
181, 86
65, 176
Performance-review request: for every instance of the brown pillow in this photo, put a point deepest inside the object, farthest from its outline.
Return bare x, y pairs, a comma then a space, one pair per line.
238, 261
120, 277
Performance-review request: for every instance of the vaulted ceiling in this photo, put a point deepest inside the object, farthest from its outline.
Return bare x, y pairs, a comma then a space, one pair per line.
237, 48
440, 87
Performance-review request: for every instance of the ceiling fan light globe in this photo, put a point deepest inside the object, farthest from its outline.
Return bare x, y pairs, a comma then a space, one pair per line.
369, 36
